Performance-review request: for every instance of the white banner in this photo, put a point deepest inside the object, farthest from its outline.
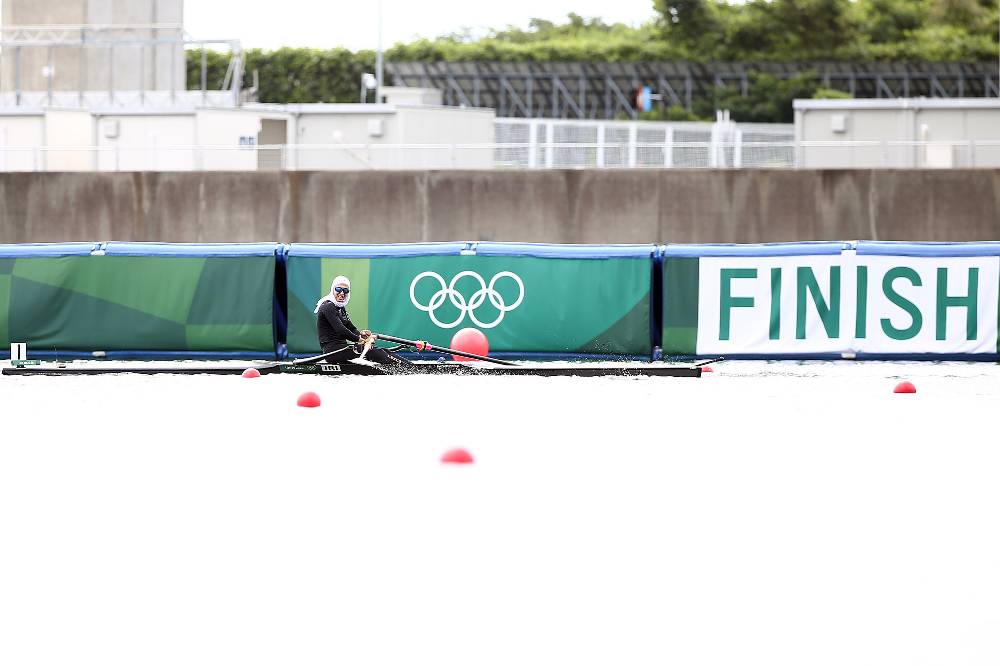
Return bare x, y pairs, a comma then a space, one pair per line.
834, 304
932, 305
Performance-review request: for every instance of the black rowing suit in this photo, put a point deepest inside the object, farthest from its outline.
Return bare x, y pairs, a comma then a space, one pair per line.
337, 333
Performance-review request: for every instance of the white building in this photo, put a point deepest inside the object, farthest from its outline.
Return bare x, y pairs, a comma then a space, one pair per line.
389, 136
249, 138
897, 133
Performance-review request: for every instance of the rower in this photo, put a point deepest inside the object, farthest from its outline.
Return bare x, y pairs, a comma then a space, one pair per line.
338, 336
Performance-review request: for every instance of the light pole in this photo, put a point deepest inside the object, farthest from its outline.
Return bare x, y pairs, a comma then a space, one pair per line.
378, 58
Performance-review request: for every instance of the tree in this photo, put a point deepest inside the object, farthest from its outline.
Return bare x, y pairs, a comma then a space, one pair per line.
791, 30
890, 21
693, 25
769, 99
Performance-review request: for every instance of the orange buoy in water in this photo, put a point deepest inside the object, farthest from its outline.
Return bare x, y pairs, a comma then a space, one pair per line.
309, 399
457, 456
470, 340
251, 373
905, 387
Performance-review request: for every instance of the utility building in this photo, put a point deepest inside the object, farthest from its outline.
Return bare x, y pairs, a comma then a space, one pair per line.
897, 133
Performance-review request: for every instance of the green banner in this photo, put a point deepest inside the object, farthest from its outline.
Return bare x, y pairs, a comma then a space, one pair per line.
102, 303
521, 303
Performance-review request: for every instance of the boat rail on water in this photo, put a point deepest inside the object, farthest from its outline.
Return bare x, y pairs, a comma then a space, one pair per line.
314, 367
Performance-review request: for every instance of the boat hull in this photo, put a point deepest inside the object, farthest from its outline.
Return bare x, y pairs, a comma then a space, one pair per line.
653, 369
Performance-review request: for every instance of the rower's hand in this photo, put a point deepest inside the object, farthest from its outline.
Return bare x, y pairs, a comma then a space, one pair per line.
365, 334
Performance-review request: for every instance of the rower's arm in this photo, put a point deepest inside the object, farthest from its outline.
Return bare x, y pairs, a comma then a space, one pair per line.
350, 325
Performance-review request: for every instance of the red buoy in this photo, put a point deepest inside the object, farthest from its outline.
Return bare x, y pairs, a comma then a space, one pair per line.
707, 368
470, 340
457, 456
309, 399
905, 387
251, 373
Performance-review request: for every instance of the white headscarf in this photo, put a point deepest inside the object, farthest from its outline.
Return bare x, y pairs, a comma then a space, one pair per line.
339, 281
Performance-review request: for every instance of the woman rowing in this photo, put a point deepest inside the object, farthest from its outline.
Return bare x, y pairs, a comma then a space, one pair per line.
338, 336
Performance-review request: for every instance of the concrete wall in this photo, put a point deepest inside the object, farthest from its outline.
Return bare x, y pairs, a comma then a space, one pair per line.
544, 206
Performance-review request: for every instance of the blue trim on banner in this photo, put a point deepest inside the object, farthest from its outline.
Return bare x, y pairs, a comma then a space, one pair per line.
279, 300
348, 250
47, 250
756, 250
901, 249
555, 251
116, 249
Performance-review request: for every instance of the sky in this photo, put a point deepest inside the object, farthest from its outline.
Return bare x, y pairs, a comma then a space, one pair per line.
329, 23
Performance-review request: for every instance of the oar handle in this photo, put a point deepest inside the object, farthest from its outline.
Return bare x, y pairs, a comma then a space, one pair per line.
420, 344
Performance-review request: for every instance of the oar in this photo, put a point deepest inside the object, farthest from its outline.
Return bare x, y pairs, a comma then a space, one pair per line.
420, 345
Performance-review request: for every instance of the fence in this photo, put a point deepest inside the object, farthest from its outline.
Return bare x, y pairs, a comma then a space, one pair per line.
528, 155
530, 144
539, 143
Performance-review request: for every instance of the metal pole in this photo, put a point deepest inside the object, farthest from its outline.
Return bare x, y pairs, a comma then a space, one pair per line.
83, 66
51, 75
142, 75
17, 76
204, 74
633, 134
111, 74
668, 148
173, 72
378, 58
600, 146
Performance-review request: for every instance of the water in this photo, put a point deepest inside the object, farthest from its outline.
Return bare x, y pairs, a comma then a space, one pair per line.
779, 513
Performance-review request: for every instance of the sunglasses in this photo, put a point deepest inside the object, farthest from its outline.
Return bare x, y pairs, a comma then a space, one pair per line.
342, 290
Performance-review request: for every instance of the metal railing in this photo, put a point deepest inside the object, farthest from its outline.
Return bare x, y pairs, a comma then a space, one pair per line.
604, 143
526, 155
583, 90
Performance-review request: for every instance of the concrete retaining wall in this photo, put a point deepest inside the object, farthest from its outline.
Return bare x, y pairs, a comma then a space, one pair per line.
599, 206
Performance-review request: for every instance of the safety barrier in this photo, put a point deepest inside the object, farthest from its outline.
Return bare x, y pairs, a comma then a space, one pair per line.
858, 299
832, 300
553, 299
139, 297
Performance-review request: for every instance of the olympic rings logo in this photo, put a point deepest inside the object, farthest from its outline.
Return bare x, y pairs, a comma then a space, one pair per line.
466, 307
